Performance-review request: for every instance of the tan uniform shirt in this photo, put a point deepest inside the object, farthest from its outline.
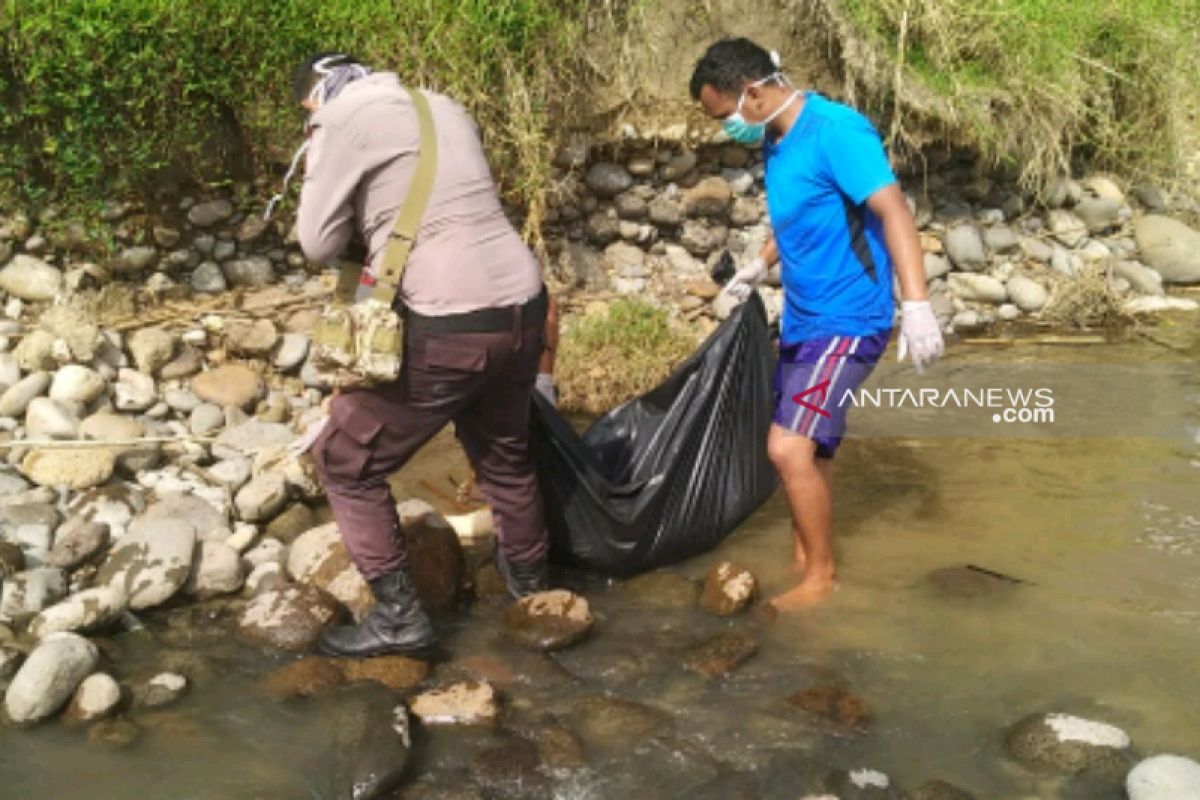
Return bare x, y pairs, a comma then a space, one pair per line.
360, 163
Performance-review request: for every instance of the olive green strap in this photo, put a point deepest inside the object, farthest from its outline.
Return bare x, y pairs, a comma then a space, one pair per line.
408, 220
404, 232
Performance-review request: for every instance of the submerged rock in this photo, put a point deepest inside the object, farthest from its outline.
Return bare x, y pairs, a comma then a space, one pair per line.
398, 673
835, 706
164, 689
370, 740
510, 769
663, 589
115, 734
49, 677
617, 724
863, 784
471, 703
1069, 745
304, 678
940, 790
720, 655
548, 620
728, 589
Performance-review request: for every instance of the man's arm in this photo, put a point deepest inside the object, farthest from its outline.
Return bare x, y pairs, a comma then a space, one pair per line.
325, 219
903, 242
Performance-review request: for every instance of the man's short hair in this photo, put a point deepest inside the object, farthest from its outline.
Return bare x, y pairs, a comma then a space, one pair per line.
305, 78
729, 64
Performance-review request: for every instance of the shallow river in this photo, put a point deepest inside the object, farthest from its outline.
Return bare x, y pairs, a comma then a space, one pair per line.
1099, 522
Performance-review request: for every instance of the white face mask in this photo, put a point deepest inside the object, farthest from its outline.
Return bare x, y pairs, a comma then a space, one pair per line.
742, 131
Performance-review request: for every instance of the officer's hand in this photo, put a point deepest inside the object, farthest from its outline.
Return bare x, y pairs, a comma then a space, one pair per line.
745, 279
920, 334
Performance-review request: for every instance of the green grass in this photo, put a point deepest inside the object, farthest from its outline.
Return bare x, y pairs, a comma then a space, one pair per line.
1044, 82
102, 96
606, 358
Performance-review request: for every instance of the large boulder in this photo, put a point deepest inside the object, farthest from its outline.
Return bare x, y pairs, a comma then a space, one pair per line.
1169, 247
369, 741
49, 677
319, 558
151, 562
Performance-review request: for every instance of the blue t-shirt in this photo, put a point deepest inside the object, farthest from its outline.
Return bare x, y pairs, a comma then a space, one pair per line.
835, 268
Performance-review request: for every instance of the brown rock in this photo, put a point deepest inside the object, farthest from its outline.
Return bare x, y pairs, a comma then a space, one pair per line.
710, 197
228, 385
661, 589
559, 748
720, 655
304, 678
436, 555
12, 559
728, 589
835, 706
616, 723
548, 620
471, 703
511, 767
251, 338
291, 522
398, 673
186, 363
288, 619
705, 289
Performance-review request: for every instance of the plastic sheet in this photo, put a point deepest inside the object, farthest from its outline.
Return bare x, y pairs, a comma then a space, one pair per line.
670, 474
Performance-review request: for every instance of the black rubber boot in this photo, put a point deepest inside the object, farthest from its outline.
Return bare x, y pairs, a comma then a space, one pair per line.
522, 579
396, 625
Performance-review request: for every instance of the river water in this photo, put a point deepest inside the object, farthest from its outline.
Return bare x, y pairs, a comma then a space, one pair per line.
1096, 525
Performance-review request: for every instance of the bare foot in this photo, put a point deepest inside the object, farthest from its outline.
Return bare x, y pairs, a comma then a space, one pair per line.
809, 592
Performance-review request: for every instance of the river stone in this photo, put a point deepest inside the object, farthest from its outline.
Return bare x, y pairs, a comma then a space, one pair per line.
964, 246
268, 550
1164, 778
625, 260
941, 790
151, 562
163, 690
720, 655
115, 505
49, 677
84, 611
77, 542
208, 418
107, 426
207, 214
1098, 213
233, 473
38, 351
228, 385
1036, 250
1169, 247
95, 699
262, 498
607, 179
666, 212
1151, 304
319, 557
30, 278
836, 706
728, 589
662, 589
291, 523
1000, 239
17, 398
10, 371
701, 238
74, 383
75, 469
252, 271
369, 743
935, 266
710, 197
613, 723
306, 677
510, 769
208, 278
548, 620
863, 784
291, 618
265, 577
1065, 744
398, 673
1151, 197
1026, 293
1143, 279
470, 703
151, 349
1067, 228
435, 553
293, 349
187, 362
209, 523
12, 559
252, 339
978, 288
50, 419
134, 391
27, 593
216, 570
115, 734
133, 260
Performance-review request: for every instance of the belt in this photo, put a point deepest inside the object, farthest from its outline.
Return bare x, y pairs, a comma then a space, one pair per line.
484, 320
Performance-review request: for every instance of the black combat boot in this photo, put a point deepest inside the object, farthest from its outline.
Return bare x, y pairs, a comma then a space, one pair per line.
522, 579
397, 623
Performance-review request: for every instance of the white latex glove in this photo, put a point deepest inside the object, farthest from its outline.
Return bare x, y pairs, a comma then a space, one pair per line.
303, 443
920, 334
745, 279
544, 383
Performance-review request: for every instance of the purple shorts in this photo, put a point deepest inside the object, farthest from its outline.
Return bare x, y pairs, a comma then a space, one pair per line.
813, 380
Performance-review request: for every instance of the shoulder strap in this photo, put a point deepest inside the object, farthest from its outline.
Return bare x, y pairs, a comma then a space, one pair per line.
408, 219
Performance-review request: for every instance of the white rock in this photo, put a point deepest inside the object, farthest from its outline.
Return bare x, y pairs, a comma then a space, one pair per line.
266, 577
77, 384
84, 611
49, 677
232, 472
1164, 778
243, 537
1067, 228
97, 697
1008, 312
976, 287
268, 551
292, 351
262, 498
964, 246
1169, 247
1152, 304
164, 689
27, 593
150, 563
50, 419
31, 278
1026, 293
10, 372
216, 570
1143, 279
1069, 728
134, 391
18, 397
206, 418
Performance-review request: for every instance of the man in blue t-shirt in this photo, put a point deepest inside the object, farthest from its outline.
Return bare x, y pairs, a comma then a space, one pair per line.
840, 226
